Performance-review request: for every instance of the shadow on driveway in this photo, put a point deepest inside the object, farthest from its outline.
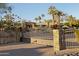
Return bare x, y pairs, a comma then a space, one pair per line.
37, 51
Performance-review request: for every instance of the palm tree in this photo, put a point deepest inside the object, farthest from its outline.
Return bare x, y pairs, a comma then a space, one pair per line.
39, 18
42, 15
36, 19
55, 15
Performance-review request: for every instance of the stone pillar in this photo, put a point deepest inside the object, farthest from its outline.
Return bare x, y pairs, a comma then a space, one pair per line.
58, 40
77, 35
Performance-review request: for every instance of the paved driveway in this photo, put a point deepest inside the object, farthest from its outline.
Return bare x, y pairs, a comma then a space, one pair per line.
25, 50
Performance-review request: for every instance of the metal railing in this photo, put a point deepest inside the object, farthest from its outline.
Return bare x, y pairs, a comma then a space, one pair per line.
70, 40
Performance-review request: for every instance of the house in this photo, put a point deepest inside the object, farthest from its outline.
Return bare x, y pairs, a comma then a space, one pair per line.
30, 25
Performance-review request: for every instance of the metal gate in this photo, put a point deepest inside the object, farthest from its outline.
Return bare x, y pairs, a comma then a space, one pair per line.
70, 40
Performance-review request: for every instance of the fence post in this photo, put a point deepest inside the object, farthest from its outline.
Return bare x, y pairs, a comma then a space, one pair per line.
77, 35
59, 40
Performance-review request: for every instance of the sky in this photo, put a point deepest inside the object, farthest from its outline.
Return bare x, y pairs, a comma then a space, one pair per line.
28, 11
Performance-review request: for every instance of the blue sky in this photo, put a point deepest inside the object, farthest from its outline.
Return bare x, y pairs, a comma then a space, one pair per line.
31, 10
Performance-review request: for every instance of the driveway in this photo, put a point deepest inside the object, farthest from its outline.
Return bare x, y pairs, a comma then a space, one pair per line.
25, 50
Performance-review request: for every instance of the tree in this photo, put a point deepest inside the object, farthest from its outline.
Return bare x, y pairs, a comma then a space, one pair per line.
66, 24
36, 19
70, 19
39, 18
48, 22
55, 15
4, 8
42, 15
1, 23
